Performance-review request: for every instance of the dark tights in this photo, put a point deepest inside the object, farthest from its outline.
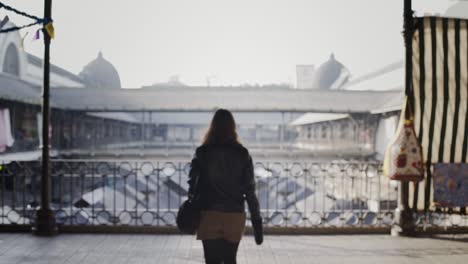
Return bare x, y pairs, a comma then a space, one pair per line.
219, 251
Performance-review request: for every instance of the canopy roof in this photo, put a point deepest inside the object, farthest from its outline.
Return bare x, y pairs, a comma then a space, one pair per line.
203, 99
14, 89
236, 99
312, 118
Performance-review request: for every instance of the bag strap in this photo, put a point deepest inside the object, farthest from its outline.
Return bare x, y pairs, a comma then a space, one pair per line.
407, 111
194, 195
195, 188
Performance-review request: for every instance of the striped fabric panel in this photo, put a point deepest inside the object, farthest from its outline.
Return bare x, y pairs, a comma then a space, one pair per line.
440, 92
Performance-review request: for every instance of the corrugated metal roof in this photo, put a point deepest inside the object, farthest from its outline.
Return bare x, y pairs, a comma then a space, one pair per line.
207, 99
311, 118
14, 89
36, 61
203, 99
393, 104
120, 116
390, 77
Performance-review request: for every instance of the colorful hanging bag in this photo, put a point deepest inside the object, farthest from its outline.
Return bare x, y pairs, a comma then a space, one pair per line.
403, 157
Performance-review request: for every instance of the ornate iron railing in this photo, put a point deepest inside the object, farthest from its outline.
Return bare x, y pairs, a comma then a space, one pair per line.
149, 193
441, 218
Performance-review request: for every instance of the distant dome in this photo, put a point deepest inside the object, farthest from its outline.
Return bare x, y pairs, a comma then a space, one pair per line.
330, 75
458, 10
100, 73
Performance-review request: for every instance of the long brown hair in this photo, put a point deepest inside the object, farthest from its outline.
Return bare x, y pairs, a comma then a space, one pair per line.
222, 129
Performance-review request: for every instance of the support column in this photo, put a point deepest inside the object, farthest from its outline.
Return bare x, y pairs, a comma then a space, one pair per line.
73, 127
45, 222
142, 134
151, 126
282, 131
404, 222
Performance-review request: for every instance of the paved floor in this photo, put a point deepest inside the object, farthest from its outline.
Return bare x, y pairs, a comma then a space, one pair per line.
116, 248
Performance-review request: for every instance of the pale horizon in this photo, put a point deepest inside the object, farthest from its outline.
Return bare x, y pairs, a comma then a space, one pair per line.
229, 42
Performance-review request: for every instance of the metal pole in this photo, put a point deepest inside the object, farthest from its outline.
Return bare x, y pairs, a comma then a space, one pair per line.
142, 134
404, 221
282, 131
45, 223
151, 136
408, 37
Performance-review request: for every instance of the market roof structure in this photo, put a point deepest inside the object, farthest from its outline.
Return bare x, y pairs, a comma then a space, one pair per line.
208, 99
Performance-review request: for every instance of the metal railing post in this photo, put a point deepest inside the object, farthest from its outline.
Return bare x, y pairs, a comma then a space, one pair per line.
404, 224
45, 223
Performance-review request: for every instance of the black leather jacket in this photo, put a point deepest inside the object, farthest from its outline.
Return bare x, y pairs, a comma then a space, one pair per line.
226, 179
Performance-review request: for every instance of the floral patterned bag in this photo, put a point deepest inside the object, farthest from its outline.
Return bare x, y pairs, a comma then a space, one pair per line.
403, 157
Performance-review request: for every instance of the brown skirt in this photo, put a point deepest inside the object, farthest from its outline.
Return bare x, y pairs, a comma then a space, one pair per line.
221, 225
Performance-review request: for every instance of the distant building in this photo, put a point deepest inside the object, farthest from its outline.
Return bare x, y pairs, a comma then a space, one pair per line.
100, 73
331, 75
174, 81
304, 76
347, 136
91, 111
356, 135
20, 92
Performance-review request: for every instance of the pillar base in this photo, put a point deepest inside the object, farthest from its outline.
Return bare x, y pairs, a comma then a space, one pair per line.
45, 223
404, 223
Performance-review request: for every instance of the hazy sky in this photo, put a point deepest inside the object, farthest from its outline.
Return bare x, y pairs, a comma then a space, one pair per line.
232, 42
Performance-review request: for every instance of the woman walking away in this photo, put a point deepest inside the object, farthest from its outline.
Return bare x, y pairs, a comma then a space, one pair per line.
225, 174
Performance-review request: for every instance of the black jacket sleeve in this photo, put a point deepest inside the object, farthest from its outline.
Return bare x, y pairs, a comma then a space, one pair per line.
194, 174
252, 202
250, 195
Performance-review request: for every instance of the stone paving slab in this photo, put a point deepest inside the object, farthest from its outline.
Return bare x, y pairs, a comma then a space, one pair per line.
175, 249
